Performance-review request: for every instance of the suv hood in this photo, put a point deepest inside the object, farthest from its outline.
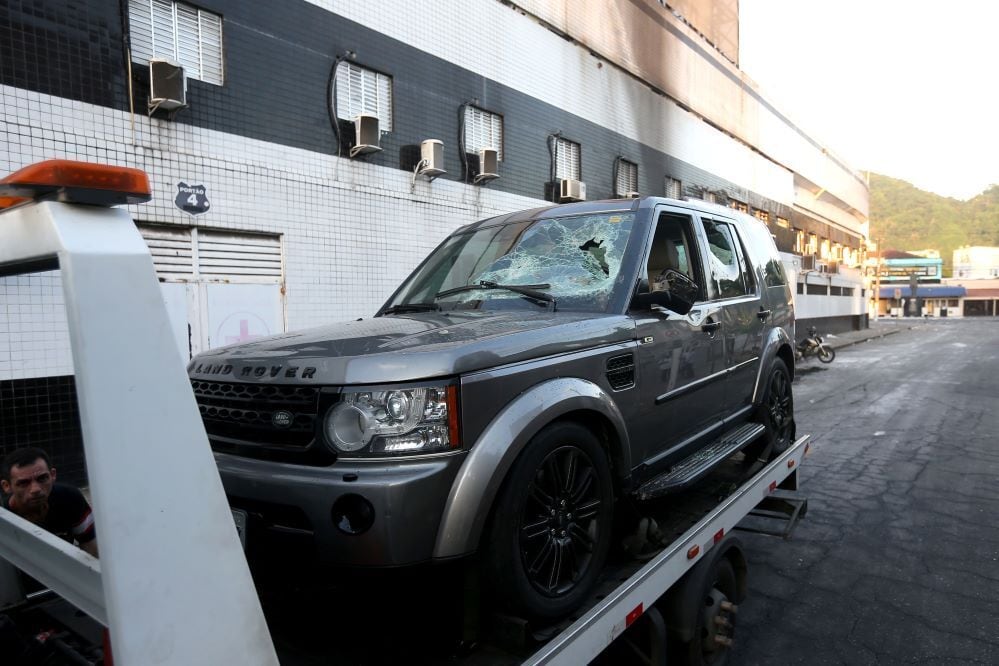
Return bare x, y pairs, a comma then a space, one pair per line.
410, 347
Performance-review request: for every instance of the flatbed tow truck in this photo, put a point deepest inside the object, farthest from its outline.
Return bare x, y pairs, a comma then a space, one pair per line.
172, 585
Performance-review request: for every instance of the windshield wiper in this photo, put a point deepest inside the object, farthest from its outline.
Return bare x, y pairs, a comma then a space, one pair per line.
411, 307
529, 290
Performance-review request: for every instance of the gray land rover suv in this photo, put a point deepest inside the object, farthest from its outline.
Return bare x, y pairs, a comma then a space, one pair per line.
535, 369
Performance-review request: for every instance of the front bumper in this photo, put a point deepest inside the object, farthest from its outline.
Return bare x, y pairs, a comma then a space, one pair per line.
291, 505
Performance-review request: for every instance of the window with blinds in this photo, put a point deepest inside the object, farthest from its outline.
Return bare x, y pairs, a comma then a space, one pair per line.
567, 155
182, 254
361, 90
179, 32
627, 178
674, 189
483, 130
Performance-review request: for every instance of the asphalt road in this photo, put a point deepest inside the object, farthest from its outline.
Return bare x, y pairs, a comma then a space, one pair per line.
897, 561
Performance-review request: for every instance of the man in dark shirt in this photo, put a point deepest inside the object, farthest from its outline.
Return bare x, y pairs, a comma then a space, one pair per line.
28, 482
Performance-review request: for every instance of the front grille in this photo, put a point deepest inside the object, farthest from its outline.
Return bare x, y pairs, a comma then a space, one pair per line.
239, 416
621, 372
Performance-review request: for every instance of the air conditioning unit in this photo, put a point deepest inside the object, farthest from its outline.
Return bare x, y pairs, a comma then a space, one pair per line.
571, 190
488, 165
631, 195
431, 158
367, 136
167, 86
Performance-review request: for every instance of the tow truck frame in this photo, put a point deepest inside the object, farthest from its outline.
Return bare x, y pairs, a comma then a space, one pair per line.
172, 584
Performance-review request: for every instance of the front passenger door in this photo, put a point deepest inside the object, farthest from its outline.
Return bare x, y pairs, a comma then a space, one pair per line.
681, 356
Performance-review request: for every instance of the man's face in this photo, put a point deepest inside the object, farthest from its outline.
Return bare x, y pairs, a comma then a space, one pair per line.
30, 485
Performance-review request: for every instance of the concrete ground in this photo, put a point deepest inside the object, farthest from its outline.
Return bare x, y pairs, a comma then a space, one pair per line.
897, 561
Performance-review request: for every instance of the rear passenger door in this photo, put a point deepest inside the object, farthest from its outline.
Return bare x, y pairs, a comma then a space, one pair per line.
733, 286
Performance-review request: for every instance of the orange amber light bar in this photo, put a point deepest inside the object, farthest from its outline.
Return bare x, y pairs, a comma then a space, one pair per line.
76, 182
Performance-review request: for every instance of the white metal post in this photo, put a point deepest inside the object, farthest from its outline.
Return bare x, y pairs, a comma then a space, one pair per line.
175, 583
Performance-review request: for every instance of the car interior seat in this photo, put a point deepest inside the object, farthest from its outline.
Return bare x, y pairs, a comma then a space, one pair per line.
663, 255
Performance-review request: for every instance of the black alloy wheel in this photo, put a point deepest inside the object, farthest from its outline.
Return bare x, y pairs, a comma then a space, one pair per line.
776, 413
559, 527
779, 406
551, 529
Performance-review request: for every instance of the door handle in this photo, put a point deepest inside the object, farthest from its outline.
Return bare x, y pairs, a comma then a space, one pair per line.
763, 314
711, 327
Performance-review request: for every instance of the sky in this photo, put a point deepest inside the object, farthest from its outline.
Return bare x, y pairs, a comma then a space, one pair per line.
905, 88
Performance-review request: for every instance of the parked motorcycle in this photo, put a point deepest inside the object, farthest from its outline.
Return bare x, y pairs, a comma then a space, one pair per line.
813, 346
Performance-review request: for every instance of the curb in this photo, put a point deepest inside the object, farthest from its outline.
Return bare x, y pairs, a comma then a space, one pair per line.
875, 336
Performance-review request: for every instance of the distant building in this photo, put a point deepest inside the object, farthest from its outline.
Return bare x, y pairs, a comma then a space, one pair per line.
972, 292
896, 298
901, 266
976, 262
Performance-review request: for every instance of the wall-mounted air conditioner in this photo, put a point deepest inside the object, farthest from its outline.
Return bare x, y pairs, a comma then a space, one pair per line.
631, 195
571, 190
367, 136
431, 158
488, 165
167, 86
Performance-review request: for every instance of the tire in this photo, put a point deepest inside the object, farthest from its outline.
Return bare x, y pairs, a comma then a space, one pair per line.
826, 354
776, 413
705, 650
551, 528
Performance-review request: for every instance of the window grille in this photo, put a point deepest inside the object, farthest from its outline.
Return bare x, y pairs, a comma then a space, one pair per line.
674, 188
179, 32
799, 241
184, 253
362, 90
567, 155
627, 178
483, 130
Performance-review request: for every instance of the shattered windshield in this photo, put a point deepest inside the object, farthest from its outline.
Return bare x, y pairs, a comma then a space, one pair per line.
575, 260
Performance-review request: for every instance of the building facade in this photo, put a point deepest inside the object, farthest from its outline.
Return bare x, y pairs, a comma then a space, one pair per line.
278, 206
976, 262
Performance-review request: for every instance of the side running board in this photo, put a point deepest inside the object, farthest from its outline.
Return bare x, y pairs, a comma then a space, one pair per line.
692, 468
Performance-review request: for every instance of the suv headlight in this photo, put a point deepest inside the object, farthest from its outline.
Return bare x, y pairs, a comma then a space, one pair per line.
394, 421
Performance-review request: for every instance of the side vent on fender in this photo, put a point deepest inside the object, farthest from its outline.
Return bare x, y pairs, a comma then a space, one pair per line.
621, 371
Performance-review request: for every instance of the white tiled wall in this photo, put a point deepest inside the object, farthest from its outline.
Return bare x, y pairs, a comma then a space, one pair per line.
34, 338
351, 231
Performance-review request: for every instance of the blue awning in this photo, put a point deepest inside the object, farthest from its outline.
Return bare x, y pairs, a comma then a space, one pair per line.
924, 291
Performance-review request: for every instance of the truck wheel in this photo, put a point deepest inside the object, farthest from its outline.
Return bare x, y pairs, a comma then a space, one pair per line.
715, 623
776, 412
551, 530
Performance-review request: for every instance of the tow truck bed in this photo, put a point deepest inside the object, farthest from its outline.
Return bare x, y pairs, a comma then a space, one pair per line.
424, 613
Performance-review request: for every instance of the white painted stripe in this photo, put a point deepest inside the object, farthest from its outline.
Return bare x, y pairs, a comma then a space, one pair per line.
84, 524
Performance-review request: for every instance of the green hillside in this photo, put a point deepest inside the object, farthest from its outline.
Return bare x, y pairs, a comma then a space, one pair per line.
904, 217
